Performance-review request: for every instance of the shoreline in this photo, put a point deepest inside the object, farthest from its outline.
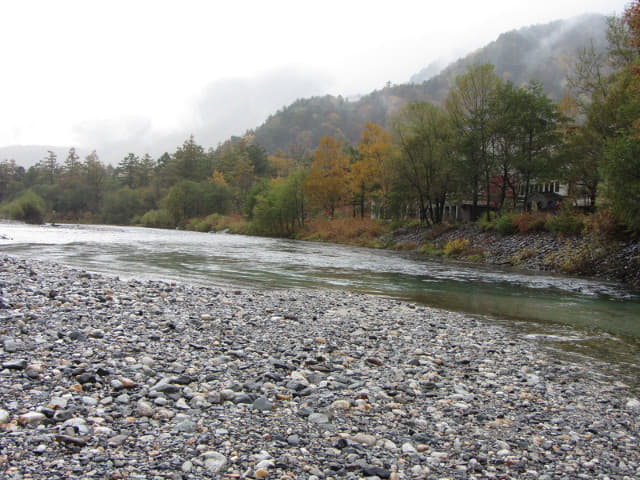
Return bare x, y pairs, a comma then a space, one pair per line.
583, 256
134, 379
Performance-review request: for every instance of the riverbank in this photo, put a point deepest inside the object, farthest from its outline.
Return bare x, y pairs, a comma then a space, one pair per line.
581, 255
104, 378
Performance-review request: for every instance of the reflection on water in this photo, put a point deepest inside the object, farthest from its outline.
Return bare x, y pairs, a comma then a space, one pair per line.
536, 304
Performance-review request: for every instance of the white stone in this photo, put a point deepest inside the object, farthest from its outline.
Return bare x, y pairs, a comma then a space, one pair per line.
214, 461
89, 401
4, 416
147, 361
633, 404
31, 418
341, 405
365, 439
408, 449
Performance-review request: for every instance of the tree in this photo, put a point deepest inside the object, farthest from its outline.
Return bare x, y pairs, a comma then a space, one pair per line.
146, 167
326, 185
189, 199
95, 180
505, 138
469, 105
579, 167
621, 171
128, 170
11, 176
281, 164
191, 161
618, 115
279, 209
538, 128
121, 206
606, 90
372, 175
72, 164
50, 168
257, 156
424, 135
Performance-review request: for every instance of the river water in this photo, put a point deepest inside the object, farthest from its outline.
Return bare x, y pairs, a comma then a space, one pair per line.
587, 320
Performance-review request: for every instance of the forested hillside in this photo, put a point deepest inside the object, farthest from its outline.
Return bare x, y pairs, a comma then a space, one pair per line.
484, 145
542, 52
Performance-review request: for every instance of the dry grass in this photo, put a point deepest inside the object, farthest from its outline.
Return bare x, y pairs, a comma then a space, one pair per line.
352, 231
217, 223
531, 222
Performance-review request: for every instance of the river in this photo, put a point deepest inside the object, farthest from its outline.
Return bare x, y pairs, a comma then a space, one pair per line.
585, 319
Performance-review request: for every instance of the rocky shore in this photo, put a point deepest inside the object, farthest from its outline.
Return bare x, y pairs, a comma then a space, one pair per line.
584, 255
103, 378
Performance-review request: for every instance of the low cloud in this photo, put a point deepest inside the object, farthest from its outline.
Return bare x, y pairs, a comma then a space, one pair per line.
223, 108
232, 106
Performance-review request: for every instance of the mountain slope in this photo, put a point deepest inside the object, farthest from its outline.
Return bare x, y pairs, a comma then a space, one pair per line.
542, 52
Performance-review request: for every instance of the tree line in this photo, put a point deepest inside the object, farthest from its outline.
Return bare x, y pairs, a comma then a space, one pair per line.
486, 146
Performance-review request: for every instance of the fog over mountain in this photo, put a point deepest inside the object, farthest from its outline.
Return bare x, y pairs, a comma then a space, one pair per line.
233, 106
224, 108
544, 53
538, 52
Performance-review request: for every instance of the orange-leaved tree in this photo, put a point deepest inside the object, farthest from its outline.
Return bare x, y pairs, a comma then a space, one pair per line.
371, 176
326, 184
281, 164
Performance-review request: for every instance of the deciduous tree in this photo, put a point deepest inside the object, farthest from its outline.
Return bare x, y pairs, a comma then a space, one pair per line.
326, 185
469, 105
371, 177
424, 135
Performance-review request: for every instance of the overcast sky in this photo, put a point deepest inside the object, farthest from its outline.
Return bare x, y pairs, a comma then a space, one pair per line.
136, 75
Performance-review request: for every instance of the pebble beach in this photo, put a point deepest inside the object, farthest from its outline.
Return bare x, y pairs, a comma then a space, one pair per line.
128, 379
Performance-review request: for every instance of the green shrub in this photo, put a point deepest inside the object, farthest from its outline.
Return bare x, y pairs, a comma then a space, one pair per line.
29, 207
430, 249
505, 225
157, 219
486, 225
197, 225
565, 223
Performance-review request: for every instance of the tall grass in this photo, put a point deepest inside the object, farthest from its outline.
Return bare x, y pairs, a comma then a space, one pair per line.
352, 231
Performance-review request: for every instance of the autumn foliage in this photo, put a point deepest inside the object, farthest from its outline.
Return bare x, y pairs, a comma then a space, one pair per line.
326, 185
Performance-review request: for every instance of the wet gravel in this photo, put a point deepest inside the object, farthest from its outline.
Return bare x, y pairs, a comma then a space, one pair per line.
103, 378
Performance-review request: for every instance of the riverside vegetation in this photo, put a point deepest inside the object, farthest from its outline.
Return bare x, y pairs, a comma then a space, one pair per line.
104, 378
489, 142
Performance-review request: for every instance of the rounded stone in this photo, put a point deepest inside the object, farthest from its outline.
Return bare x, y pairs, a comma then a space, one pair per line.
5, 417
214, 462
186, 426
319, 418
144, 409
31, 418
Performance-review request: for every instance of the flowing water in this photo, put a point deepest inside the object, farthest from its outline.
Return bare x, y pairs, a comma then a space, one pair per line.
589, 320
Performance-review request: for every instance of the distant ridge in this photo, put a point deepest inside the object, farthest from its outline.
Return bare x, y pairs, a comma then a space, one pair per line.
540, 52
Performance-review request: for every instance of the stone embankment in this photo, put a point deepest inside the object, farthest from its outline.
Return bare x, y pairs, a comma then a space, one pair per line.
110, 379
584, 255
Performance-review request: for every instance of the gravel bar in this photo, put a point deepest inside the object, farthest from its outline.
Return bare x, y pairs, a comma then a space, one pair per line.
112, 379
